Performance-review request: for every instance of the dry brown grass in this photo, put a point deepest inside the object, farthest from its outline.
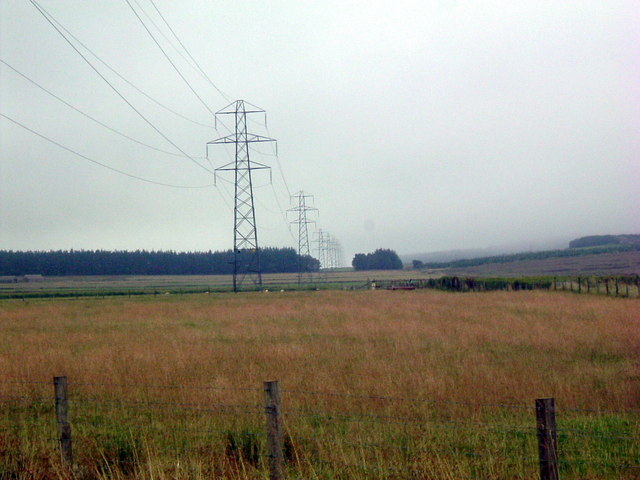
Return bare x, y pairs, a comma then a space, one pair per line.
489, 347
479, 348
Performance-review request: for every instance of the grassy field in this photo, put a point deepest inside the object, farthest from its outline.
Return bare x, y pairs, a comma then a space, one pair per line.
375, 384
160, 284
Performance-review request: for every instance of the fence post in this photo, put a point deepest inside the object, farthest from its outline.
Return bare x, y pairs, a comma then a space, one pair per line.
547, 438
62, 419
579, 284
274, 430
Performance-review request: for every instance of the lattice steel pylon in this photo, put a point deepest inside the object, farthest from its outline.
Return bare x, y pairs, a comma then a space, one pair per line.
329, 252
246, 251
322, 239
335, 259
303, 233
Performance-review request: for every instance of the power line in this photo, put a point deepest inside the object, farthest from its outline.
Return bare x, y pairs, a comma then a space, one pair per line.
282, 212
97, 162
284, 181
279, 164
124, 79
224, 95
169, 41
246, 250
169, 59
228, 205
44, 13
302, 208
172, 46
89, 116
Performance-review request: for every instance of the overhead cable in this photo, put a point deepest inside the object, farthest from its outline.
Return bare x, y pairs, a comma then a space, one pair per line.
44, 13
142, 179
89, 116
284, 215
155, 40
124, 79
169, 41
275, 154
224, 95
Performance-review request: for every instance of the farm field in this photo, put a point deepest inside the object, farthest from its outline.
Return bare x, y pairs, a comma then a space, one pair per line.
374, 384
159, 284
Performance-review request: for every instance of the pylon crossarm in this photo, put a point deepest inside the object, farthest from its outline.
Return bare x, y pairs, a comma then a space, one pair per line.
233, 169
233, 138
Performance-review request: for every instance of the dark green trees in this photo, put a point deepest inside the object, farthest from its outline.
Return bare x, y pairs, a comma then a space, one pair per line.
381, 259
143, 262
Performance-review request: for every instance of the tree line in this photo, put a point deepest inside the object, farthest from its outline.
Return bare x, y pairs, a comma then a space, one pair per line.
144, 262
381, 259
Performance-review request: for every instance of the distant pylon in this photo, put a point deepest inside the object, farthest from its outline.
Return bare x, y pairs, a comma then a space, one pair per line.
302, 221
335, 254
246, 251
329, 252
322, 239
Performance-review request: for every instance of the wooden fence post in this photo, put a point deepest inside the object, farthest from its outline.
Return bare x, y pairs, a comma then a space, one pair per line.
617, 287
274, 430
62, 419
547, 438
579, 284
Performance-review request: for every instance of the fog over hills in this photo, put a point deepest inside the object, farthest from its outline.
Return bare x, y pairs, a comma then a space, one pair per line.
459, 254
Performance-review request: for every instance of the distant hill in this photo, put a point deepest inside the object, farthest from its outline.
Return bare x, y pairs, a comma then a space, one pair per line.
602, 240
519, 257
596, 254
450, 255
607, 262
463, 254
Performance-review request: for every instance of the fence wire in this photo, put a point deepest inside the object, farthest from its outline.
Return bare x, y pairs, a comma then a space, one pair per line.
87, 425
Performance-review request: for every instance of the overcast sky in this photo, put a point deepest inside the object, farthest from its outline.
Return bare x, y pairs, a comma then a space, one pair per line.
417, 125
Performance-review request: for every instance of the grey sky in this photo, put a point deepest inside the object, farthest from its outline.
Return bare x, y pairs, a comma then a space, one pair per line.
417, 125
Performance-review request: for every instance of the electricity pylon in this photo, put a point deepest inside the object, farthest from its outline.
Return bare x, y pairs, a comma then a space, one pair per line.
246, 251
322, 239
335, 259
329, 252
303, 232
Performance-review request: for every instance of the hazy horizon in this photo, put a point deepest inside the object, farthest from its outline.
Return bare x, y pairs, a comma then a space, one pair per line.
417, 126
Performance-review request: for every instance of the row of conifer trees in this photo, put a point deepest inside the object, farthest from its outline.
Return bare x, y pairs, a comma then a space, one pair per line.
144, 262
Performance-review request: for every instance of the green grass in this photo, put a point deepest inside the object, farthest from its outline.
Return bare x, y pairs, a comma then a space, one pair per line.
375, 384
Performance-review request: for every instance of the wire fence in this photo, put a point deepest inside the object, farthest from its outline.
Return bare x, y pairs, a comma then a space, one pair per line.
623, 286
627, 286
294, 433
